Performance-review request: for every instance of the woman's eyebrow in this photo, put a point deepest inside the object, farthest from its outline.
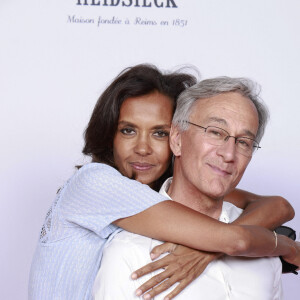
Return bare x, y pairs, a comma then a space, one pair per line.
162, 126
126, 123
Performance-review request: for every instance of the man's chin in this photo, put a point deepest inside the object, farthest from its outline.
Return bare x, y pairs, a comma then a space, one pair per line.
218, 191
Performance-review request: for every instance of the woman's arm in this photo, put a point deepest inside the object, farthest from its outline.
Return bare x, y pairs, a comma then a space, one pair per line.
173, 222
277, 209
266, 211
106, 196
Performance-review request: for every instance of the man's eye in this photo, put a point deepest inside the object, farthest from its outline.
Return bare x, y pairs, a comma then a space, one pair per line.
161, 133
244, 144
214, 132
127, 131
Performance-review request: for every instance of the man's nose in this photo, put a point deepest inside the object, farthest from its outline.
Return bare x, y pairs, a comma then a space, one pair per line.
143, 146
228, 149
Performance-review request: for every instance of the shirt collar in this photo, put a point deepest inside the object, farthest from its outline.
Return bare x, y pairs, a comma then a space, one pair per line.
229, 211
165, 187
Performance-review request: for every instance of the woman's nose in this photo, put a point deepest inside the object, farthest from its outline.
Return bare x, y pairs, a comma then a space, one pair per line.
143, 146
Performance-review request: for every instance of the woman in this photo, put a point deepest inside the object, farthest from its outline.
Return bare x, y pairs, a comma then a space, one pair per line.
97, 198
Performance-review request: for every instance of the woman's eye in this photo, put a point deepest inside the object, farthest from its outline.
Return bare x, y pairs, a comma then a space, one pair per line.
161, 133
127, 131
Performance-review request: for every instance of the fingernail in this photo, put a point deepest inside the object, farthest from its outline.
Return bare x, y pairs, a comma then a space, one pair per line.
133, 276
138, 292
152, 256
147, 297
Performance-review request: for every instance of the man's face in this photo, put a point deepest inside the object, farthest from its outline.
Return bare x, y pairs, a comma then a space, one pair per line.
215, 170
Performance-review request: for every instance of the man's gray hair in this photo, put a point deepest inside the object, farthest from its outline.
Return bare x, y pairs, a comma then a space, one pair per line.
214, 86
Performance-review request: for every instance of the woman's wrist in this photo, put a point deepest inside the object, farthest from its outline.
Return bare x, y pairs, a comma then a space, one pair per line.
286, 248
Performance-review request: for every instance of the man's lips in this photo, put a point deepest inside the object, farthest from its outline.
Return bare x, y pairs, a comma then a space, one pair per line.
138, 166
220, 171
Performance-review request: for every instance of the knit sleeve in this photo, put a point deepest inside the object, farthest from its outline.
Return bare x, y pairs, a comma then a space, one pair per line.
98, 195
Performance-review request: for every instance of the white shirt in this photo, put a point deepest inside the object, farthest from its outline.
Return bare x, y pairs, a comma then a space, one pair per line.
226, 278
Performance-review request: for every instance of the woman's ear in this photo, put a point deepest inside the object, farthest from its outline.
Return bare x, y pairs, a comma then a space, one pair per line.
175, 140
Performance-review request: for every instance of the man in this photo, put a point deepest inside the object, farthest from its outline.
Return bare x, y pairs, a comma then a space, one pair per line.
216, 128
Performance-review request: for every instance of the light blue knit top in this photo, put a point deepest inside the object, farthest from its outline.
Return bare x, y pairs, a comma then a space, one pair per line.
76, 228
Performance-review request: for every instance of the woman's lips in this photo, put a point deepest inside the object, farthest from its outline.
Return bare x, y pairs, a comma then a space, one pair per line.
141, 166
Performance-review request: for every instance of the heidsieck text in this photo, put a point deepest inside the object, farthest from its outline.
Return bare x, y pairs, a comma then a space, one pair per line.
129, 3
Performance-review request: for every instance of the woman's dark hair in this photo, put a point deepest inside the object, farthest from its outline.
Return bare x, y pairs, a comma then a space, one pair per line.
136, 81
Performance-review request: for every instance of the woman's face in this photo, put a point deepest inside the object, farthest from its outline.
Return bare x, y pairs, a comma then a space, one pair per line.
141, 143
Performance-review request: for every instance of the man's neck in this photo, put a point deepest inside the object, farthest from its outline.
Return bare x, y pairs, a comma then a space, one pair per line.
188, 195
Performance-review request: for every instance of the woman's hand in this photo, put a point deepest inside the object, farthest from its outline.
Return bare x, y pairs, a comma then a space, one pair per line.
295, 257
182, 265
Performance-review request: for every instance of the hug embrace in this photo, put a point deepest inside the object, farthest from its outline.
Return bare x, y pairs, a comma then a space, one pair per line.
167, 153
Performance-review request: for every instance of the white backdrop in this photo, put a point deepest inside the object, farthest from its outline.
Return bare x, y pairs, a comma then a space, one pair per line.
56, 57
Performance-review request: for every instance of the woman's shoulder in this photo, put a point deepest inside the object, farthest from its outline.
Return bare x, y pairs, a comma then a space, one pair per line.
97, 168
93, 173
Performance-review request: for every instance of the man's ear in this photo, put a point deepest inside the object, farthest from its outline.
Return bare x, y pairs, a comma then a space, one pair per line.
175, 140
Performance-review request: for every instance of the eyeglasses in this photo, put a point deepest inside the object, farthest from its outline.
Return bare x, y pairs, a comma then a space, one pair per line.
291, 233
218, 137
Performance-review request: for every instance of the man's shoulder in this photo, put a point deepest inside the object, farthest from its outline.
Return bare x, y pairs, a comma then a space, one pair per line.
126, 239
130, 249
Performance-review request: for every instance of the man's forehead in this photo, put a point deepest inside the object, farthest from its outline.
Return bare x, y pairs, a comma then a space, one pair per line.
224, 109
230, 102
218, 120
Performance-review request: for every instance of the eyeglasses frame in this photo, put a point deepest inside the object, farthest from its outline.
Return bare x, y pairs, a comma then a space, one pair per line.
227, 137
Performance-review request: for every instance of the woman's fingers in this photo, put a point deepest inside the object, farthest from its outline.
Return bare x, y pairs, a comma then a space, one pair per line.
159, 264
181, 266
156, 265
180, 287
160, 288
295, 257
161, 249
168, 278
157, 284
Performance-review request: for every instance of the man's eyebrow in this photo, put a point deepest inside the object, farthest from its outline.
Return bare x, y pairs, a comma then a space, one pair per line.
223, 122
249, 133
218, 120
